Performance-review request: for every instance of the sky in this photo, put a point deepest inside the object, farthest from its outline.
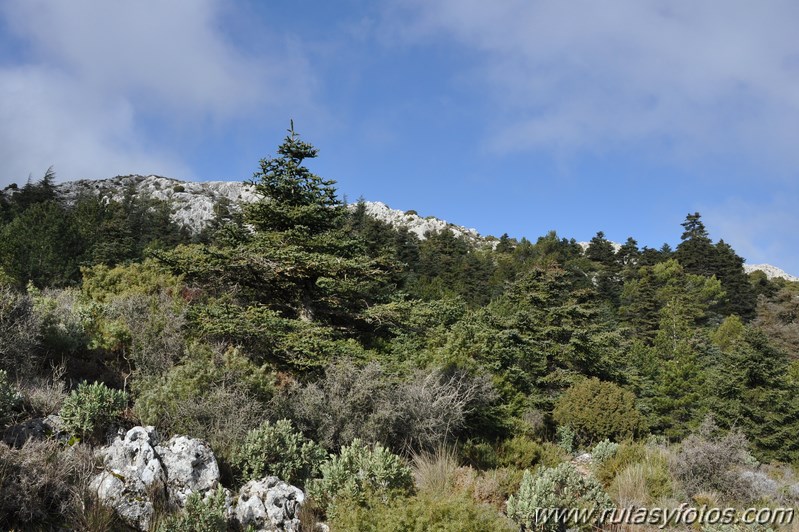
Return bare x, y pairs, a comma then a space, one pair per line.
510, 116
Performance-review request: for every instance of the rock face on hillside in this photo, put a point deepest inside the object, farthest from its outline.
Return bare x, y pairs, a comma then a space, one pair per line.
192, 203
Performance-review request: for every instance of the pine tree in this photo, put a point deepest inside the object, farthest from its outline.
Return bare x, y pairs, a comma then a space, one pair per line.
696, 253
298, 276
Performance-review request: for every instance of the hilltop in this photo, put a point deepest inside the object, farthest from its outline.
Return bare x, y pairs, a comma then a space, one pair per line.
192, 205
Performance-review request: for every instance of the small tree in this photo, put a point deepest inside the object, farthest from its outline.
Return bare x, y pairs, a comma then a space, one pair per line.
597, 410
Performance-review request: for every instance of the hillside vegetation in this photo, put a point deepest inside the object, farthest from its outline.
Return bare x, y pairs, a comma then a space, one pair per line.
403, 383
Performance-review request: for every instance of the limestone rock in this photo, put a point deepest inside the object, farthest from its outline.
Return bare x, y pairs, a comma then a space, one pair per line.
132, 472
190, 467
269, 504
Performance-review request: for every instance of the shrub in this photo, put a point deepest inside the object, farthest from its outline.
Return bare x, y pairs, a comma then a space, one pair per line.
277, 450
91, 408
20, 333
359, 472
366, 403
597, 410
627, 453
710, 461
42, 484
9, 397
559, 487
199, 515
520, 452
442, 513
566, 437
480, 454
179, 188
603, 450
217, 395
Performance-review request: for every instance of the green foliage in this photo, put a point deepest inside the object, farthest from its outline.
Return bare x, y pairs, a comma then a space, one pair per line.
603, 451
441, 513
91, 408
520, 452
199, 515
214, 394
277, 450
566, 438
597, 410
9, 397
559, 487
359, 472
42, 246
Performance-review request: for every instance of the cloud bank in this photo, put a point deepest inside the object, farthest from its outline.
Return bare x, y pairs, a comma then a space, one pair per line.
88, 82
688, 80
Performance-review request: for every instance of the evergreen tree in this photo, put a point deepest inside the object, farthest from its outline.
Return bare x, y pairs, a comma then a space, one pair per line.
298, 270
696, 253
740, 296
753, 392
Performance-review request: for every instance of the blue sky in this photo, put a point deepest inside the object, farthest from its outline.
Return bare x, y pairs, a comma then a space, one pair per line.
514, 116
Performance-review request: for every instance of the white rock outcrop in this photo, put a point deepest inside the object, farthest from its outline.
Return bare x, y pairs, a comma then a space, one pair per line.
136, 468
190, 467
269, 504
132, 471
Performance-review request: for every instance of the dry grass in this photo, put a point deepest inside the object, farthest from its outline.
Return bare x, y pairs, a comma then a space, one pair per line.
435, 472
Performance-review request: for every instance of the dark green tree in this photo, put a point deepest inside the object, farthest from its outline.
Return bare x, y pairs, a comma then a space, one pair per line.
696, 253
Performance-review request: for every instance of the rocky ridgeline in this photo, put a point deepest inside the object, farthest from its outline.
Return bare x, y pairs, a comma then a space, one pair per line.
193, 206
192, 202
771, 272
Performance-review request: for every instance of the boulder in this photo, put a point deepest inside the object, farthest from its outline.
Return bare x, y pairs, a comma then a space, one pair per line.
190, 467
132, 473
269, 504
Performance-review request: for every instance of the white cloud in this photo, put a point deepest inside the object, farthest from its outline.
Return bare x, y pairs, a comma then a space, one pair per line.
696, 79
92, 77
760, 233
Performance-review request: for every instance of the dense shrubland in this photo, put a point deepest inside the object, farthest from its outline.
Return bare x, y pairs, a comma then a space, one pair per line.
405, 383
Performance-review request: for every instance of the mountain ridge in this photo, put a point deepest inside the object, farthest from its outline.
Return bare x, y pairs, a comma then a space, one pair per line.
193, 202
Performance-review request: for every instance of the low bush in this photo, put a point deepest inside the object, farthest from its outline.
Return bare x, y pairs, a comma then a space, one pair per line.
359, 472
520, 452
627, 453
20, 333
215, 394
603, 451
712, 461
199, 515
42, 484
559, 487
277, 449
442, 513
422, 412
91, 408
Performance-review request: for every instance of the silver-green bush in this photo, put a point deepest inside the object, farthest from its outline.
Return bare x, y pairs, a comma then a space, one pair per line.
361, 471
604, 450
91, 408
280, 450
560, 487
